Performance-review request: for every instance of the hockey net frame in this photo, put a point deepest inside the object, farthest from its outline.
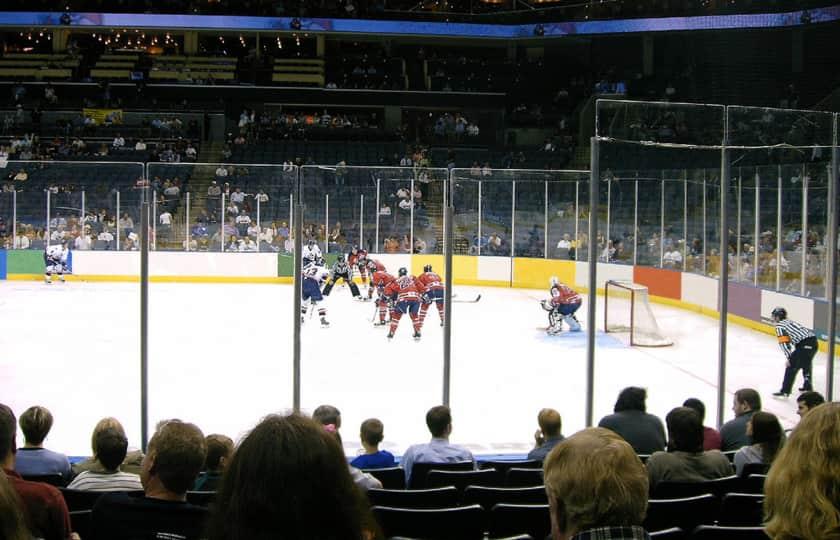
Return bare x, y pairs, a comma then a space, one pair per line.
639, 299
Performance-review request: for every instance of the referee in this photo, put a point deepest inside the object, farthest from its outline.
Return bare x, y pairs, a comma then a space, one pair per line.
799, 345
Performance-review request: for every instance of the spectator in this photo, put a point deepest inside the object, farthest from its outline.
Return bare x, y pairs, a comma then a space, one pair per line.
140, 145
685, 460
439, 449
643, 431
767, 436
807, 401
371, 434
237, 196
12, 524
330, 417
548, 436
110, 447
219, 452
597, 488
176, 453
221, 172
118, 142
131, 462
243, 221
733, 434
711, 436
289, 479
126, 224
33, 459
802, 485
214, 191
43, 505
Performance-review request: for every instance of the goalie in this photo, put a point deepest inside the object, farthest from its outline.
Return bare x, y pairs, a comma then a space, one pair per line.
562, 305
55, 261
340, 269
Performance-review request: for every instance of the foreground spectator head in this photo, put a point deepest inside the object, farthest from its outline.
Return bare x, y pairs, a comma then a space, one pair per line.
807, 401
35, 423
219, 450
746, 400
765, 430
439, 421
109, 447
289, 479
326, 415
594, 479
631, 398
8, 431
698, 406
685, 430
802, 487
175, 455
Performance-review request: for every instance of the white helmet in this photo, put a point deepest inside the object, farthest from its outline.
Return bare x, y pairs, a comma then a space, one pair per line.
553, 281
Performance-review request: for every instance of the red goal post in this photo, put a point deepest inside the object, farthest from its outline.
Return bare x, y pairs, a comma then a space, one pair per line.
634, 316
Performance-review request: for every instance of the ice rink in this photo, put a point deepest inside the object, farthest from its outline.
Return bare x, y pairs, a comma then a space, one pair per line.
220, 356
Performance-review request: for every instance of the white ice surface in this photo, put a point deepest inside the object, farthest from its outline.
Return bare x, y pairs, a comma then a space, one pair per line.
220, 356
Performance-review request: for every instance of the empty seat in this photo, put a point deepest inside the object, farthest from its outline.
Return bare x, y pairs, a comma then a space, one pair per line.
679, 490
81, 522
460, 523
715, 532
504, 466
517, 477
488, 497
201, 498
445, 497
419, 471
77, 499
742, 510
685, 513
674, 533
754, 468
754, 483
511, 519
391, 477
52, 479
462, 479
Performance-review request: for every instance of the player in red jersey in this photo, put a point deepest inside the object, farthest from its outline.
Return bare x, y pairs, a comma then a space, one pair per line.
562, 305
434, 293
381, 279
373, 267
405, 291
358, 258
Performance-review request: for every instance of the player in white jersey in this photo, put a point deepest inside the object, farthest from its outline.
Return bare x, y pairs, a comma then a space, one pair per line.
313, 277
312, 254
55, 261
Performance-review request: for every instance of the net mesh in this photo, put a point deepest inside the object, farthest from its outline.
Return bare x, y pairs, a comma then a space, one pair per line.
628, 310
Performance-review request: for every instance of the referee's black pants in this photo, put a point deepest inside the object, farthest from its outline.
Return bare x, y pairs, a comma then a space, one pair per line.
800, 358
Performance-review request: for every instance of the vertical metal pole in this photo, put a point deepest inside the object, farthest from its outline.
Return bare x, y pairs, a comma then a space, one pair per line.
723, 283
685, 220
757, 229
479, 217
119, 248
411, 217
297, 232
545, 224
577, 217
448, 222
326, 223
594, 176
154, 219
187, 234
82, 213
47, 239
607, 235
779, 231
144, 316
513, 220
705, 258
662, 222
738, 229
376, 234
259, 226
362, 221
14, 219
831, 245
803, 243
636, 221
291, 212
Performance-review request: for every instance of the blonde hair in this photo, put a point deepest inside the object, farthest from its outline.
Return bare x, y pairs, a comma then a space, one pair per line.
802, 490
594, 478
102, 425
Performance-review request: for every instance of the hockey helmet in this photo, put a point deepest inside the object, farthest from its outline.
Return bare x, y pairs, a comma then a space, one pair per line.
339, 257
427, 268
779, 314
354, 249
402, 272
553, 281
371, 264
310, 242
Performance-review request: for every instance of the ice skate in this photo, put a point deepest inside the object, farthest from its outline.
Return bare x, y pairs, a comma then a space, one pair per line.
390, 335
416, 336
324, 322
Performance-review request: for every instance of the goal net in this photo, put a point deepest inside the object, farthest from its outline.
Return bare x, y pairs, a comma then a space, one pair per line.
627, 309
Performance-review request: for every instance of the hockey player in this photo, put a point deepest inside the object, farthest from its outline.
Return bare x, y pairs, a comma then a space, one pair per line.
341, 269
312, 254
562, 305
434, 293
358, 258
313, 277
379, 280
373, 267
405, 291
55, 261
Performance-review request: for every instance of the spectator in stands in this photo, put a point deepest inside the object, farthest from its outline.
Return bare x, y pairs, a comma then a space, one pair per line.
597, 488
190, 153
371, 434
548, 435
685, 460
118, 142
126, 224
289, 479
219, 453
439, 449
243, 221
672, 258
49, 95
330, 417
733, 434
176, 453
131, 462
33, 459
140, 145
711, 436
643, 431
13, 522
767, 437
802, 485
43, 505
110, 447
221, 172
237, 196
807, 401
214, 190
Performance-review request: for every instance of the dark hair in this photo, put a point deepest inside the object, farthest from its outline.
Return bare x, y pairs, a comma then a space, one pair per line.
767, 433
371, 431
811, 399
697, 406
35, 423
685, 430
631, 398
288, 479
218, 447
110, 446
327, 414
8, 430
750, 397
179, 450
438, 419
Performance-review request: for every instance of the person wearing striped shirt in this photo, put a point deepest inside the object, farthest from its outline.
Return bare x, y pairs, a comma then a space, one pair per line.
109, 446
799, 345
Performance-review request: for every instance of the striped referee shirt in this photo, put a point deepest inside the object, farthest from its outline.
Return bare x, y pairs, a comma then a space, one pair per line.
790, 333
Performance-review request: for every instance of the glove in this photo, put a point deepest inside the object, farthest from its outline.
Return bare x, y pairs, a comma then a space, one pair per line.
547, 305
425, 298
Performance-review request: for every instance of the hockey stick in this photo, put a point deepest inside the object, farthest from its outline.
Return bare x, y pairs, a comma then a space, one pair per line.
469, 301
